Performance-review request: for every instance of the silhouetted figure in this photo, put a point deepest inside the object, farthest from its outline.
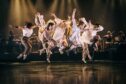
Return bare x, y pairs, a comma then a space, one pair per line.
108, 39
11, 42
122, 36
3, 46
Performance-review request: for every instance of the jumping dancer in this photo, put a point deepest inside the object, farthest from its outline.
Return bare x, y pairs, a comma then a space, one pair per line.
48, 42
27, 32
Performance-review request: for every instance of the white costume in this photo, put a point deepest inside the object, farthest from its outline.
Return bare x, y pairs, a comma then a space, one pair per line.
89, 34
27, 32
75, 33
39, 20
59, 33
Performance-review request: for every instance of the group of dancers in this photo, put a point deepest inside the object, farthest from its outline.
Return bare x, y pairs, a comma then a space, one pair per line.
60, 33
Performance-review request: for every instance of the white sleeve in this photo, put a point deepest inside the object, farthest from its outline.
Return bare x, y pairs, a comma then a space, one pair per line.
74, 26
100, 28
41, 20
58, 21
36, 21
84, 20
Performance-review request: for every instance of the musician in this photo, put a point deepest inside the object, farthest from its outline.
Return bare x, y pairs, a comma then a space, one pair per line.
11, 42
108, 39
122, 36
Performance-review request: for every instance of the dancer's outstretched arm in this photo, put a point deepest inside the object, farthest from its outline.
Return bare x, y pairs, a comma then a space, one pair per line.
34, 26
84, 20
73, 19
73, 16
39, 19
22, 27
36, 19
91, 26
56, 19
19, 27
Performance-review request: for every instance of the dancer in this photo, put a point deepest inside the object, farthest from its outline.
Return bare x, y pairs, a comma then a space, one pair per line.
39, 20
27, 32
47, 40
76, 32
90, 31
68, 31
59, 34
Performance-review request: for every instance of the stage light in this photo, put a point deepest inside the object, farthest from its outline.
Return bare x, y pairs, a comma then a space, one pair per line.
62, 8
15, 12
76, 4
24, 10
31, 7
53, 6
20, 12
69, 7
39, 5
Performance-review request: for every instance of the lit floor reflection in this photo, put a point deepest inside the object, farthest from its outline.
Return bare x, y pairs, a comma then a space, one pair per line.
62, 73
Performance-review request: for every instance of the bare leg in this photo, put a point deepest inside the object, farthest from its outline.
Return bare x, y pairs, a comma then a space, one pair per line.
28, 49
25, 49
72, 48
88, 53
61, 49
43, 49
48, 57
48, 51
84, 54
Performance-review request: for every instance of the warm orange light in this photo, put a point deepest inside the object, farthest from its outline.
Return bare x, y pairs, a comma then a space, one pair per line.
20, 11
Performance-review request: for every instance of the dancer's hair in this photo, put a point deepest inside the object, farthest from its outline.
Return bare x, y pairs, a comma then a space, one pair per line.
28, 24
49, 24
80, 23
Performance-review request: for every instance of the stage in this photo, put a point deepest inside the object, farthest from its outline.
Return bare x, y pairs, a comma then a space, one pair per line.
69, 31
99, 72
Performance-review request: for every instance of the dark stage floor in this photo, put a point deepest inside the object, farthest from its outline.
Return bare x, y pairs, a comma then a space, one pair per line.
63, 73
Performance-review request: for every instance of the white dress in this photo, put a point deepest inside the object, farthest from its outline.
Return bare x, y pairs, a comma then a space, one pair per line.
58, 34
89, 34
75, 33
41, 23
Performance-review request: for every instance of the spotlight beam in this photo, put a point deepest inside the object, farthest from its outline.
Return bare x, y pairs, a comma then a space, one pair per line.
39, 6
53, 6
62, 6
77, 6
69, 6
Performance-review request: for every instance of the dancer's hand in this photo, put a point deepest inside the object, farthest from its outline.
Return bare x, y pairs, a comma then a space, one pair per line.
74, 10
37, 14
53, 14
82, 19
11, 26
90, 24
69, 17
73, 15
